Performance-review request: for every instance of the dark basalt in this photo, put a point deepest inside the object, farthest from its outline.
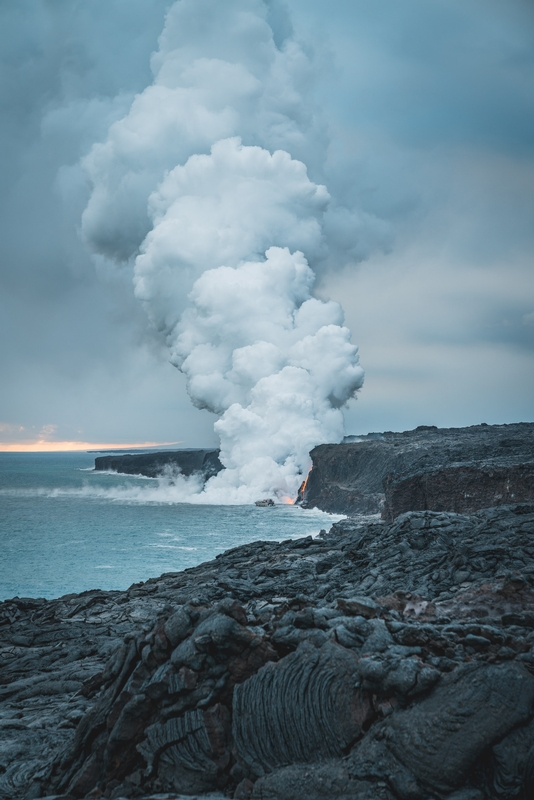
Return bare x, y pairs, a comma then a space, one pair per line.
302, 709
462, 488
151, 465
436, 469
380, 661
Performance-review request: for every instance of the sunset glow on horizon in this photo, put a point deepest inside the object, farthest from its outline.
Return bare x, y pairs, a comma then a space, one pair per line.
42, 446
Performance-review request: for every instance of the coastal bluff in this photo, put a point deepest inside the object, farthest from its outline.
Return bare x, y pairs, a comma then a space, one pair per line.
429, 468
153, 464
426, 469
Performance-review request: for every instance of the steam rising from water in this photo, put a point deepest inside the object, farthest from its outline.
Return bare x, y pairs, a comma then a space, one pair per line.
201, 186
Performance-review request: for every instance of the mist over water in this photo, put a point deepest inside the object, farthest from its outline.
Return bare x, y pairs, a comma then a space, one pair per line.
64, 528
203, 188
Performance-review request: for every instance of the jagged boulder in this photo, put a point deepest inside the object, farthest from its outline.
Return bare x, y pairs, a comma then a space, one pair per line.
438, 741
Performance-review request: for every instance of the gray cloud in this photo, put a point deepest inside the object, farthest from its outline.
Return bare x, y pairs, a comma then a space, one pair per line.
75, 349
430, 109
433, 113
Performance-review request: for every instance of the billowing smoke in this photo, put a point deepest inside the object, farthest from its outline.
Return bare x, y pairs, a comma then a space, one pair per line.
204, 187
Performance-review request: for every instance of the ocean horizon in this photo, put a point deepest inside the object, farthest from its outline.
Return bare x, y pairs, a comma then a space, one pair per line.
65, 528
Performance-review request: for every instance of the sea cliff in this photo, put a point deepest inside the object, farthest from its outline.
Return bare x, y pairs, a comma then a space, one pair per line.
206, 462
429, 468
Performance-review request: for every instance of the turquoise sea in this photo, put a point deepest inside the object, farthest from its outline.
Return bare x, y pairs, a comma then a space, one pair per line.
65, 528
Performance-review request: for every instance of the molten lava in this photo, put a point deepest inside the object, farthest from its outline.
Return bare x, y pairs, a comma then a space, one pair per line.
303, 487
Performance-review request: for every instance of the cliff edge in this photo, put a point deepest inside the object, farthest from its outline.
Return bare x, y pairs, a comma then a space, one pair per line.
429, 468
153, 464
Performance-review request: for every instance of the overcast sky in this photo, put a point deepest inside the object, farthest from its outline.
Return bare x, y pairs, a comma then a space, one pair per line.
429, 108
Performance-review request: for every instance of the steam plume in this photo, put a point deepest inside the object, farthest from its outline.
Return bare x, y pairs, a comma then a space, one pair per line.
203, 186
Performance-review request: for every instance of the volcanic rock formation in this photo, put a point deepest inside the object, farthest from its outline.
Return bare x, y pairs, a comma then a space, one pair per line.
429, 468
386, 661
205, 462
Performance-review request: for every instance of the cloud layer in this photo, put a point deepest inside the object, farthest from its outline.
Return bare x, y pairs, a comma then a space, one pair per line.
423, 140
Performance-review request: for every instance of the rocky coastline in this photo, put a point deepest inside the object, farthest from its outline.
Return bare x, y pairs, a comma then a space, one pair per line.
151, 465
386, 659
429, 468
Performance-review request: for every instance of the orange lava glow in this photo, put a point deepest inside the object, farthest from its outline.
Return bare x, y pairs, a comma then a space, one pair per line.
304, 484
288, 501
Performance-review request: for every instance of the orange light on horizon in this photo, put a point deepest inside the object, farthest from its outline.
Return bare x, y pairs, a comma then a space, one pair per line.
43, 446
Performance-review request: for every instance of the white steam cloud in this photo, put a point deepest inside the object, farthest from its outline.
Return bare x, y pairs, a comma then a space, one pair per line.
203, 185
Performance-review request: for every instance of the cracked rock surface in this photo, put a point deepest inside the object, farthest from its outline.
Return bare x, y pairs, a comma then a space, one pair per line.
385, 661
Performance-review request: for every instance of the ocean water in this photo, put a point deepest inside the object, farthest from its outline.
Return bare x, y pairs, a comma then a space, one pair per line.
65, 528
